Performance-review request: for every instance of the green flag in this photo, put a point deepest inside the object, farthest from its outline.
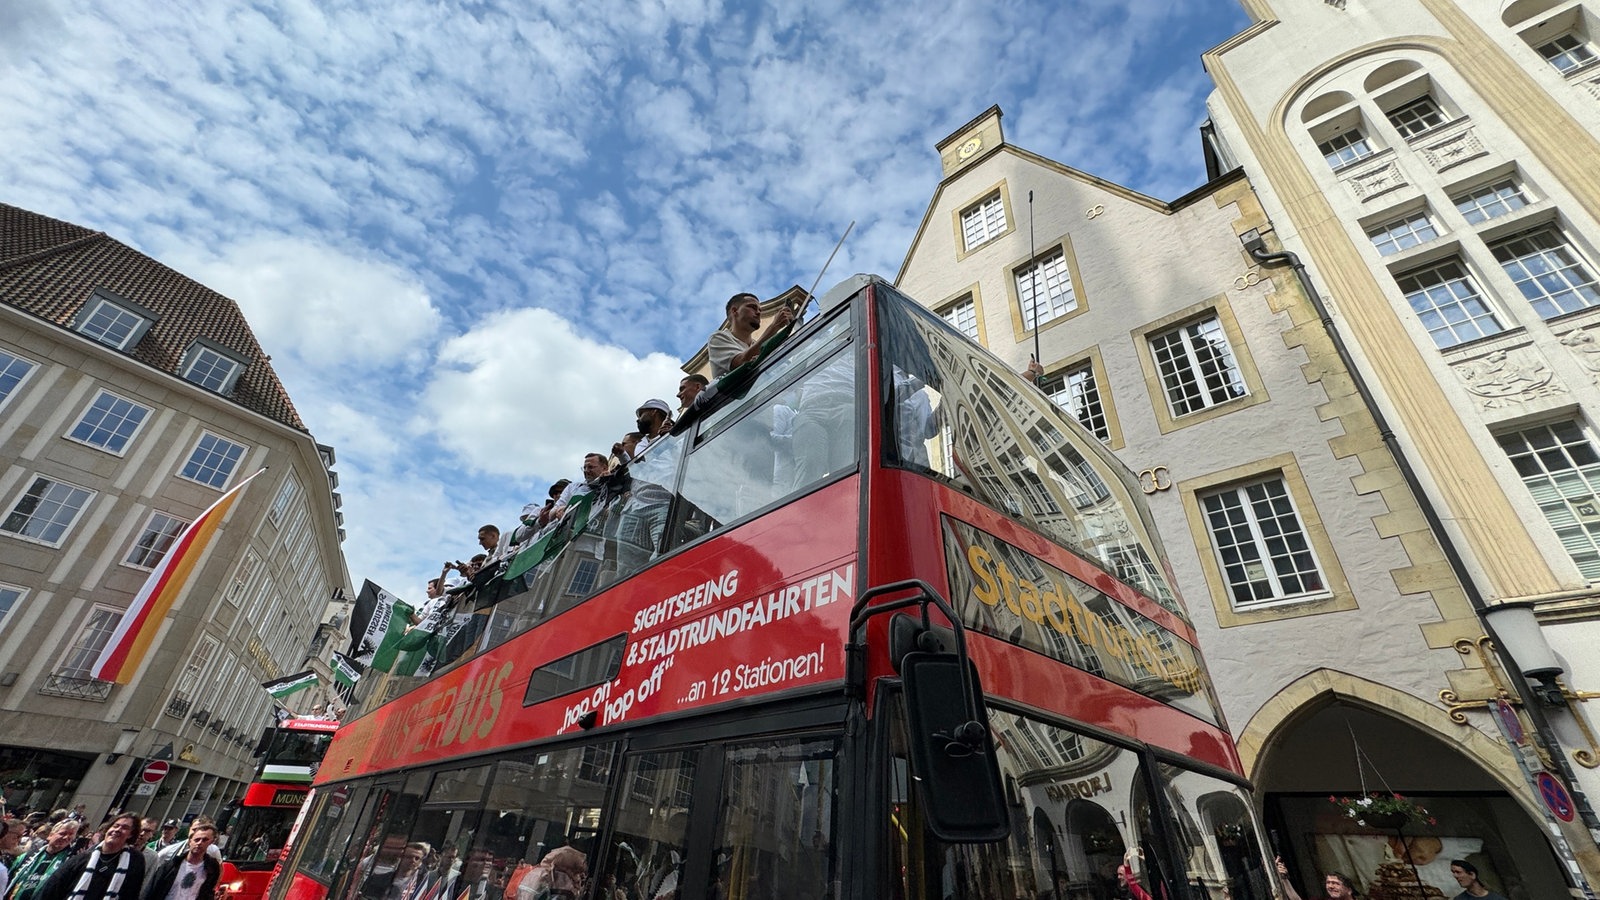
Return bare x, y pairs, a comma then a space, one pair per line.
389, 647
572, 524
280, 688
344, 671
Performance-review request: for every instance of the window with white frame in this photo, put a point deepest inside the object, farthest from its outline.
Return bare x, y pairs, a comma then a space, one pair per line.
160, 530
1403, 233
1345, 148
13, 371
10, 602
242, 576
109, 423
1547, 271
1490, 201
111, 323
1045, 290
983, 221
1448, 304
1263, 549
1420, 115
210, 369
286, 495
1075, 391
963, 316
46, 510
583, 577
197, 674
1568, 52
1560, 466
212, 461
1198, 370
97, 628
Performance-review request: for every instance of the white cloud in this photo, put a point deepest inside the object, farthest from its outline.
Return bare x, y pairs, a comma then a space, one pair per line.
525, 395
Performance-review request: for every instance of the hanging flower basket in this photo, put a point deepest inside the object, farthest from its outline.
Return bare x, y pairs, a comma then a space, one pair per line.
1378, 810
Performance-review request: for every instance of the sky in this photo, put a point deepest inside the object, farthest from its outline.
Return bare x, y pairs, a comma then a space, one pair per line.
474, 236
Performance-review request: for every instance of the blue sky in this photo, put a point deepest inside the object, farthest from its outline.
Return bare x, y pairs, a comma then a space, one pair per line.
474, 236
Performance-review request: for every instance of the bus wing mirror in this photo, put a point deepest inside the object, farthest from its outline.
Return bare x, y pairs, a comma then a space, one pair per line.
952, 754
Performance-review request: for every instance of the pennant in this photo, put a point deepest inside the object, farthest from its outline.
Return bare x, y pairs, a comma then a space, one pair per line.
345, 670
127, 646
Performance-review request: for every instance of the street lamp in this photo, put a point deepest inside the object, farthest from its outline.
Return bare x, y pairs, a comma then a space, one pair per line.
124, 744
1516, 627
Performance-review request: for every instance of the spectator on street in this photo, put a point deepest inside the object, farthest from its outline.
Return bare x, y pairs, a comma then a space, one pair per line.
191, 875
110, 870
34, 867
736, 343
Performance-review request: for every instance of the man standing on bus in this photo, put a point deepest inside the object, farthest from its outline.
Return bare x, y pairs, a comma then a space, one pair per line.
190, 876
111, 870
736, 343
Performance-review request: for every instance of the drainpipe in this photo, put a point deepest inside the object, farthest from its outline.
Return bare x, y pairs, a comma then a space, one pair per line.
1255, 245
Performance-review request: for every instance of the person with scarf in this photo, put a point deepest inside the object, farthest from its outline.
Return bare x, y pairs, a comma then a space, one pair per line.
33, 868
190, 876
109, 870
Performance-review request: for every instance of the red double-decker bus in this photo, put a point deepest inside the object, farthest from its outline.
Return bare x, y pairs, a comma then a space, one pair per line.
259, 822
876, 621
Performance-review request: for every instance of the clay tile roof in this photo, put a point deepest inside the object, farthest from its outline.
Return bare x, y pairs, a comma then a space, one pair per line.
52, 268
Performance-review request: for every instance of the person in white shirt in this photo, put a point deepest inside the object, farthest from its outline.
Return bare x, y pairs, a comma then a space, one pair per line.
191, 875
736, 343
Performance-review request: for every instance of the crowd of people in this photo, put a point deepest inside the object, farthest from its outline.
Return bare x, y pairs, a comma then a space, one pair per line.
53, 856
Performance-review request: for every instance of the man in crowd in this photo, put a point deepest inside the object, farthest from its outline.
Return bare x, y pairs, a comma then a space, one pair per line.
594, 468
33, 868
654, 421
111, 870
191, 875
169, 835
689, 387
181, 846
12, 831
404, 881
737, 343
148, 829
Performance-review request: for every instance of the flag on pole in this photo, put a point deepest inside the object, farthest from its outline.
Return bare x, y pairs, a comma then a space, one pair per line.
377, 623
127, 646
280, 688
345, 670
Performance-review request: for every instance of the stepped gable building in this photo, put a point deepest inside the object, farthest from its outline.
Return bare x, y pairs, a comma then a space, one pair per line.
1324, 601
132, 398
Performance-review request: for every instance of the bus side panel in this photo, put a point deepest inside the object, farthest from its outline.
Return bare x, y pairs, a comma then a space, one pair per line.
752, 611
244, 885
304, 888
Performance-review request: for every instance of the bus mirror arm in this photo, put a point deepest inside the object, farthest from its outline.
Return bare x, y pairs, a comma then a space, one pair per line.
855, 650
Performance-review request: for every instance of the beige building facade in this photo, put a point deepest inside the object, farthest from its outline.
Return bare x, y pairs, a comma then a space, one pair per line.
1326, 606
131, 399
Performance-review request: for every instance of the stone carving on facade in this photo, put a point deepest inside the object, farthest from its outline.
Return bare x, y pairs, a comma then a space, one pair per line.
1585, 349
1507, 377
1377, 181
1454, 150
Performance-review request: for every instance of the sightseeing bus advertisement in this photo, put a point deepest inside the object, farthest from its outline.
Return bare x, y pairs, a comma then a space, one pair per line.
999, 590
763, 612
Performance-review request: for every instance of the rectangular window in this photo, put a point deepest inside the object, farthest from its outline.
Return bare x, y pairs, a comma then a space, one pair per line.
198, 671
109, 423
46, 510
213, 461
210, 369
286, 495
983, 221
1561, 469
1568, 53
242, 577
1050, 282
111, 324
1343, 149
1547, 271
1260, 544
963, 316
1197, 367
79, 659
13, 370
10, 600
1402, 234
583, 577
1076, 392
1448, 303
155, 540
1490, 201
1421, 114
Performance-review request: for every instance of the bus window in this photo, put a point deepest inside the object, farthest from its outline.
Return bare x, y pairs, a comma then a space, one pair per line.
749, 465
538, 801
1080, 808
332, 823
956, 413
774, 836
1217, 836
650, 826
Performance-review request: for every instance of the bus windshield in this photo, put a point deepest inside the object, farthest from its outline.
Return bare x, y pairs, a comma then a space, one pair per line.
295, 749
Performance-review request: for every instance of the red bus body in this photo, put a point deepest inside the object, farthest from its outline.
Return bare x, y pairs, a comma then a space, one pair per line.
260, 825
730, 649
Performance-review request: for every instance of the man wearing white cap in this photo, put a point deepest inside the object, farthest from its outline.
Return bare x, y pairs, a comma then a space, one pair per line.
655, 420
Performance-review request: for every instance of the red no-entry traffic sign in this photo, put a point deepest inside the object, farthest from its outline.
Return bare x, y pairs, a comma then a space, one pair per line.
155, 770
